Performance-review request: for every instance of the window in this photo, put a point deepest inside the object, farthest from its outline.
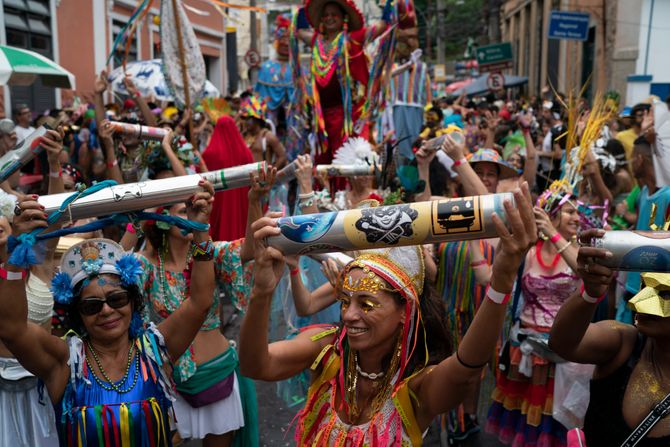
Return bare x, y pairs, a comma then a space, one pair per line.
119, 53
28, 26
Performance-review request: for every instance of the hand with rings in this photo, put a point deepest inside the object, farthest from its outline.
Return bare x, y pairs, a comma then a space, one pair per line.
29, 215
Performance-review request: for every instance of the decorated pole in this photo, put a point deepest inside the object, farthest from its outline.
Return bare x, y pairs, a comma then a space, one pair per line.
138, 131
443, 220
338, 257
130, 197
636, 251
434, 144
184, 74
22, 153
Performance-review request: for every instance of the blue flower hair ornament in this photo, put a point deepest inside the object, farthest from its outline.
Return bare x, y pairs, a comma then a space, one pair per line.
61, 288
130, 269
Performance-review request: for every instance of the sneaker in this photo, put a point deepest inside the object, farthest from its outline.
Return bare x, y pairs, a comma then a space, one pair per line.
471, 428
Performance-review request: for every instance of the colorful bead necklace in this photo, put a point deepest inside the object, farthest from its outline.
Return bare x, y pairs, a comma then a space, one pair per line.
110, 385
326, 57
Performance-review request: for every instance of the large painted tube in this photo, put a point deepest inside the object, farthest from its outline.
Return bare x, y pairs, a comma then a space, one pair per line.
22, 153
138, 131
130, 197
636, 251
458, 219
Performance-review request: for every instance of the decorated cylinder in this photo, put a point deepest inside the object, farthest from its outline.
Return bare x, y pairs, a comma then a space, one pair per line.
345, 170
138, 131
464, 218
130, 197
22, 153
636, 251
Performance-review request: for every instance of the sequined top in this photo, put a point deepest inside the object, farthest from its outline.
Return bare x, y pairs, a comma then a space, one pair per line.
545, 290
166, 295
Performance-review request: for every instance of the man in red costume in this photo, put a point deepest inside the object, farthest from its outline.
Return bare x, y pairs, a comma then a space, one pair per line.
227, 149
339, 70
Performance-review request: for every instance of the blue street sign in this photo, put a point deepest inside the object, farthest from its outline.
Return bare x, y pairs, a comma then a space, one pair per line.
569, 25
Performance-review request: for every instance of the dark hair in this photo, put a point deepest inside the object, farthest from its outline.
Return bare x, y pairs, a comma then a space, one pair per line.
439, 177
73, 318
641, 146
434, 334
342, 10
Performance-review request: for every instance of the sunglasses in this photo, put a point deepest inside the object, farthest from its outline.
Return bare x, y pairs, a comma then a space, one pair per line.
92, 306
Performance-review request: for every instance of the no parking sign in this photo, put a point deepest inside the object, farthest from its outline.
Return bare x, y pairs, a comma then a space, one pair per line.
495, 81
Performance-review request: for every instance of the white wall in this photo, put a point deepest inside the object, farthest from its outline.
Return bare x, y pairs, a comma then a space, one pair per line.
658, 62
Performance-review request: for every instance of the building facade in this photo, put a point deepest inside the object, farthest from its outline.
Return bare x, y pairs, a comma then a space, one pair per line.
623, 51
78, 34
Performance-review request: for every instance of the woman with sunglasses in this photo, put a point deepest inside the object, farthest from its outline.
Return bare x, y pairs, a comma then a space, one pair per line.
110, 382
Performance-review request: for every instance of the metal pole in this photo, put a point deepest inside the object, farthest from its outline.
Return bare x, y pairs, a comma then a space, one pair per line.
254, 40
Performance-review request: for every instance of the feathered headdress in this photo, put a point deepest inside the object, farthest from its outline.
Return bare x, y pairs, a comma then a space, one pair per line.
356, 151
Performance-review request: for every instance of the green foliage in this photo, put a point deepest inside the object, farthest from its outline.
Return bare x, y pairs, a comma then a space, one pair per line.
454, 21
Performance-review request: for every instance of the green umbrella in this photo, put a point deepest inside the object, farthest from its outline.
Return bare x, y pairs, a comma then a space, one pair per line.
23, 67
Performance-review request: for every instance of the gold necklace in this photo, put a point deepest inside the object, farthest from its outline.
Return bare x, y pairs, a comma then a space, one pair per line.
111, 386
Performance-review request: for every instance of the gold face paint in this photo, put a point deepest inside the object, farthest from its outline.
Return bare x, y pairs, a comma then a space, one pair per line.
369, 282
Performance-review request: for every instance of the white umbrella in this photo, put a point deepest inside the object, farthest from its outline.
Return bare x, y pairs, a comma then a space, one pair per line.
23, 67
149, 80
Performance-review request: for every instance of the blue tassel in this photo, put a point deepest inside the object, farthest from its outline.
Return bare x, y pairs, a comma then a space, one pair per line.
136, 325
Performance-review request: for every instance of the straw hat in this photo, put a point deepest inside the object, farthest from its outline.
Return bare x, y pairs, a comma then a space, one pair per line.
314, 9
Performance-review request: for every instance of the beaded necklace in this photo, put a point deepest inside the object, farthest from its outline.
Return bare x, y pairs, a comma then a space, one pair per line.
163, 282
538, 254
325, 56
110, 385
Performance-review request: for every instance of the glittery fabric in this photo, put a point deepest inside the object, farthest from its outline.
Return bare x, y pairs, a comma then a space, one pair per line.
545, 290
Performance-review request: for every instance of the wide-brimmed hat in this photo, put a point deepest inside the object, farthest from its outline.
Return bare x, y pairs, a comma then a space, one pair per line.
492, 156
314, 9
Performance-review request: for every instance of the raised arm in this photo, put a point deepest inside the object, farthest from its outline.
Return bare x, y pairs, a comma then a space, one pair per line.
34, 347
308, 303
530, 166
260, 188
446, 385
573, 336
567, 250
105, 133
472, 184
181, 327
423, 160
177, 167
149, 118
258, 359
278, 150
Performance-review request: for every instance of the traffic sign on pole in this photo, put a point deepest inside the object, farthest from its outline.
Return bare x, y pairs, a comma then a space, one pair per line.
569, 25
495, 57
495, 81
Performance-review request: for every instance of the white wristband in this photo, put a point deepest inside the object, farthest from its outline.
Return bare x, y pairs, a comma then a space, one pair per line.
497, 297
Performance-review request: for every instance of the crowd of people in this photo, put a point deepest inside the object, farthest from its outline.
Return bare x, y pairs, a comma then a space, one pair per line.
112, 334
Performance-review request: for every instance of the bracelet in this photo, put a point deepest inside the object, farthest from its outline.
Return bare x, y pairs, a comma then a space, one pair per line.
130, 228
525, 130
203, 251
497, 297
591, 300
56, 174
11, 275
457, 163
555, 238
111, 164
305, 196
467, 365
294, 271
478, 263
306, 203
137, 94
563, 248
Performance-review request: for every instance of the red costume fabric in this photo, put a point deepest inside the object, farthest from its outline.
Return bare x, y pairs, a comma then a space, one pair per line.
227, 149
331, 96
